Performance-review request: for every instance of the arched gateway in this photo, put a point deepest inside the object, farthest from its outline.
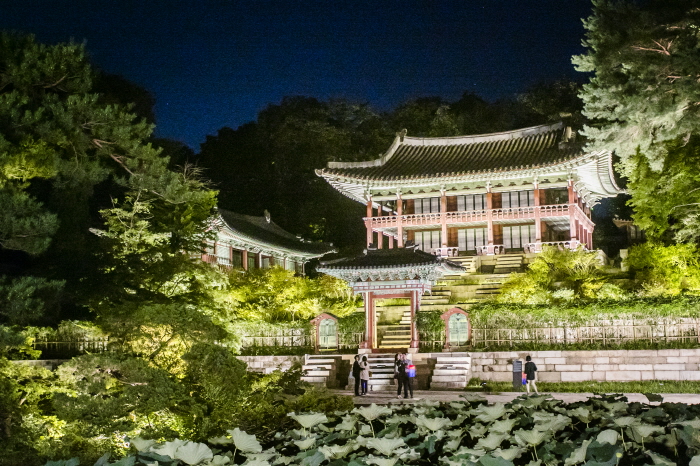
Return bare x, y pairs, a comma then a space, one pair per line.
390, 273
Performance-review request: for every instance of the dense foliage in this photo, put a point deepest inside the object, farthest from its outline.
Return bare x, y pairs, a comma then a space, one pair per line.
528, 431
642, 102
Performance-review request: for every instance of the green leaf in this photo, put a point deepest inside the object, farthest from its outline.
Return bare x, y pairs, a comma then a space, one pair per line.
578, 455
314, 459
653, 397
245, 442
372, 411
608, 436
488, 460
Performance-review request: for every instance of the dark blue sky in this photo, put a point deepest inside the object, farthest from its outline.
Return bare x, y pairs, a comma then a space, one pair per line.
213, 63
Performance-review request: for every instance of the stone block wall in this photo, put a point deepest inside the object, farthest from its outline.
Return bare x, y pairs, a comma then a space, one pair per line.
579, 366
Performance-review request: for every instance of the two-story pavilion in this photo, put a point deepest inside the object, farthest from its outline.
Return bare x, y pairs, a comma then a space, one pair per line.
484, 194
248, 242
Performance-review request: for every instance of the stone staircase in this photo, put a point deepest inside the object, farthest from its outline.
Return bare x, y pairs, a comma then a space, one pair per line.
489, 286
382, 367
508, 263
397, 336
320, 369
469, 264
452, 371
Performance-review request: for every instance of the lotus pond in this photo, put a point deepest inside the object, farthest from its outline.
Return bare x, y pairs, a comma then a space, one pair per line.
534, 431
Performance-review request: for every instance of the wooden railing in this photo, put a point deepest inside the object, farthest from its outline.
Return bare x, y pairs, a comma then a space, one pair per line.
537, 247
478, 216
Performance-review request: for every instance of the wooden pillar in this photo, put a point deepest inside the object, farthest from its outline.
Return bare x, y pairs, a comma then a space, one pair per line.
391, 242
399, 220
443, 218
370, 233
415, 305
370, 322
572, 212
380, 235
244, 259
489, 216
538, 222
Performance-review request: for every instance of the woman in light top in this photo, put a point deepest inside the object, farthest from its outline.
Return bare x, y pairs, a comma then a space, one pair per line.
364, 376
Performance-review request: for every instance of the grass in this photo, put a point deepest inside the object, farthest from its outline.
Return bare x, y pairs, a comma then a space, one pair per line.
649, 386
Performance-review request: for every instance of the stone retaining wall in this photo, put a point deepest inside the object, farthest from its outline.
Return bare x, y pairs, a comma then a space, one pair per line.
578, 366
268, 364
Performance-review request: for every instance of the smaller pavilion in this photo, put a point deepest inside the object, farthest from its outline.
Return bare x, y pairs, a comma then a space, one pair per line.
248, 242
389, 273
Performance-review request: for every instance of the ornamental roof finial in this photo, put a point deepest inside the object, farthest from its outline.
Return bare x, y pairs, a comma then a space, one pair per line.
402, 134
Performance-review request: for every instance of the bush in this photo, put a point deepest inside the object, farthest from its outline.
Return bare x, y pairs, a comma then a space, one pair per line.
665, 270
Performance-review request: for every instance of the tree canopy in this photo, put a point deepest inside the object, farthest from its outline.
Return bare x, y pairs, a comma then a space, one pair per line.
643, 101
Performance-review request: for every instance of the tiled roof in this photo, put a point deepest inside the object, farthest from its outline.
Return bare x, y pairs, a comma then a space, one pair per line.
262, 230
411, 158
388, 258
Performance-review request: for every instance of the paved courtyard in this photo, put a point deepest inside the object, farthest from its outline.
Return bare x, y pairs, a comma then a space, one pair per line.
383, 397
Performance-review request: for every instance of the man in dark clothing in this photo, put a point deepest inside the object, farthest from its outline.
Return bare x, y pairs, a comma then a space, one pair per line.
530, 374
410, 372
400, 373
356, 369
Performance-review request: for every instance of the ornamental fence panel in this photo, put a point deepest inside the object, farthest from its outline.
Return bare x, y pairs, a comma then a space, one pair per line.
610, 332
287, 337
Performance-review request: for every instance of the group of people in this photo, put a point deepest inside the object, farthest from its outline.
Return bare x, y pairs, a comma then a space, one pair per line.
404, 372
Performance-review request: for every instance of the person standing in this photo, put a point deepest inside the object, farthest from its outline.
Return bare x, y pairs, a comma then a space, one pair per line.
410, 371
356, 370
364, 375
530, 375
399, 380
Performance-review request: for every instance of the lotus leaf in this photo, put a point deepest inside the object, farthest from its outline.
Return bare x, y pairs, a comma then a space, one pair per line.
578, 455
365, 430
626, 421
608, 436
694, 423
581, 413
489, 460
257, 463
471, 452
660, 459
553, 423
694, 461
452, 445
336, 451
169, 448
408, 454
503, 426
490, 413
432, 424
646, 430
309, 420
142, 444
509, 454
372, 411
379, 461
219, 460
455, 461
491, 441
193, 453
385, 446
348, 423
245, 442
531, 437
477, 430
306, 443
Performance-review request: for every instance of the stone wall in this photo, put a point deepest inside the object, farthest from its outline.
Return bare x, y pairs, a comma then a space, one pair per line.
578, 366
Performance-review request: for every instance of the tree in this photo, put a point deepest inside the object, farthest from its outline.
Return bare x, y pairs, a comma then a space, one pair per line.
643, 101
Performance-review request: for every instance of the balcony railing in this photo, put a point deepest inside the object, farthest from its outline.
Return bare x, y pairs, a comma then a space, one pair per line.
476, 216
537, 247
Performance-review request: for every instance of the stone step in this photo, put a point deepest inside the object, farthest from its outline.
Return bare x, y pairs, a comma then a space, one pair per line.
313, 367
319, 360
318, 373
449, 378
447, 385
310, 379
400, 336
463, 372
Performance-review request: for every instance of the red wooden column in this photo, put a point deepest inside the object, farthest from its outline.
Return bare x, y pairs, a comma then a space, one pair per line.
368, 223
572, 212
244, 259
380, 235
415, 304
399, 223
443, 218
391, 242
370, 320
489, 216
538, 222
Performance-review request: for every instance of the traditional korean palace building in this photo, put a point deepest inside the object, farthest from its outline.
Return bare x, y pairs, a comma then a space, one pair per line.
248, 242
430, 199
484, 194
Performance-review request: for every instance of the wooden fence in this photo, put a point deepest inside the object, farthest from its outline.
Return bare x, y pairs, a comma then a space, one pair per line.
51, 349
604, 332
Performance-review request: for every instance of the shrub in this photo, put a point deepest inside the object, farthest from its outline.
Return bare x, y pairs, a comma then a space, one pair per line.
665, 270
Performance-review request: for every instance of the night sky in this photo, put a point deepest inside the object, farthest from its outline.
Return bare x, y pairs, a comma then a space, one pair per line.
212, 63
